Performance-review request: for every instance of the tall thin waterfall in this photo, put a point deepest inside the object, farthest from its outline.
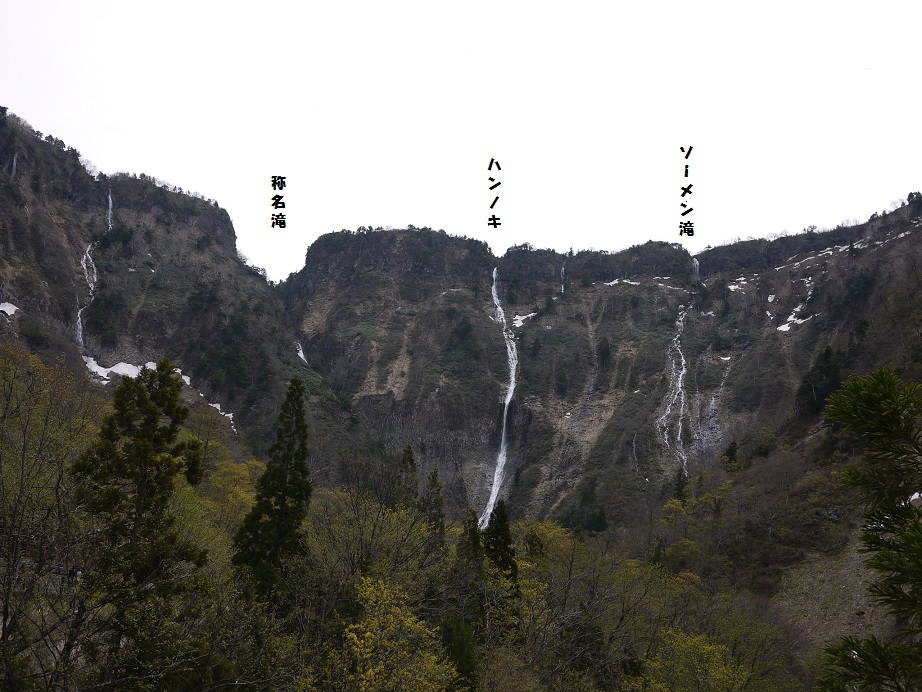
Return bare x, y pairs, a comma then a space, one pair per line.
694, 267
675, 401
88, 265
513, 357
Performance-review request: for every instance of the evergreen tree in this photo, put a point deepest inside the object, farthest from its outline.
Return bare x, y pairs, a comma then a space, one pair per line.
886, 412
497, 541
146, 582
408, 478
470, 543
432, 505
272, 532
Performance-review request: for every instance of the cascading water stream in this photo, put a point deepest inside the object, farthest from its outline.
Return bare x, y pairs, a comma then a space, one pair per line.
695, 268
513, 356
675, 396
562, 276
86, 263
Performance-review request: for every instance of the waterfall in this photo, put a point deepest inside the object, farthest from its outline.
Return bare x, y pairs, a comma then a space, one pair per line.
513, 357
87, 263
15, 154
675, 396
562, 276
109, 213
695, 268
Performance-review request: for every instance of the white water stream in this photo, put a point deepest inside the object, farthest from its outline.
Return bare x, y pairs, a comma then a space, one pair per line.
513, 356
675, 397
87, 264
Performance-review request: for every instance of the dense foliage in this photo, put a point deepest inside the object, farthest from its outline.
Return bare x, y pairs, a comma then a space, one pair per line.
122, 576
886, 412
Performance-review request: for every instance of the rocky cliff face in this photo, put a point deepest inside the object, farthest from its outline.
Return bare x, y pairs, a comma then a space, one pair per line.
152, 273
630, 369
633, 368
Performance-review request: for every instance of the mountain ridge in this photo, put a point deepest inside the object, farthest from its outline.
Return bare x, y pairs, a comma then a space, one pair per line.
398, 346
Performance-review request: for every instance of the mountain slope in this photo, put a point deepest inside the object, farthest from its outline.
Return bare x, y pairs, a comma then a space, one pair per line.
634, 368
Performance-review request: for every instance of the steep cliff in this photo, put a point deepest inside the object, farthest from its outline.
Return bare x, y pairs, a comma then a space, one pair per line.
633, 370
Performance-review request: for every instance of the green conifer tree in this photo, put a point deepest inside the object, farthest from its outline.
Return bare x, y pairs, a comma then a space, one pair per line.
146, 582
432, 505
887, 413
408, 478
497, 542
272, 532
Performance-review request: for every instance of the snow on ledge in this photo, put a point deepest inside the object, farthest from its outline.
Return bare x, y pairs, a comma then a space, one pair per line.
519, 320
126, 370
8, 309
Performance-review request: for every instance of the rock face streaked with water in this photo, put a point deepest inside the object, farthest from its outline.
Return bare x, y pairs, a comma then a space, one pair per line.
512, 353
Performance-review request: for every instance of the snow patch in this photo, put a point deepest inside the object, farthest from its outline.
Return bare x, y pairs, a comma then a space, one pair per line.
622, 281
8, 309
300, 351
229, 416
126, 370
519, 320
771, 298
793, 320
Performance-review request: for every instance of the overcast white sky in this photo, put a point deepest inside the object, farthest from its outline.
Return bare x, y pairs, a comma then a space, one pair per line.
387, 114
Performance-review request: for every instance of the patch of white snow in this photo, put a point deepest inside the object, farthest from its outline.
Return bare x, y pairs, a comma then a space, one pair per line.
519, 320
